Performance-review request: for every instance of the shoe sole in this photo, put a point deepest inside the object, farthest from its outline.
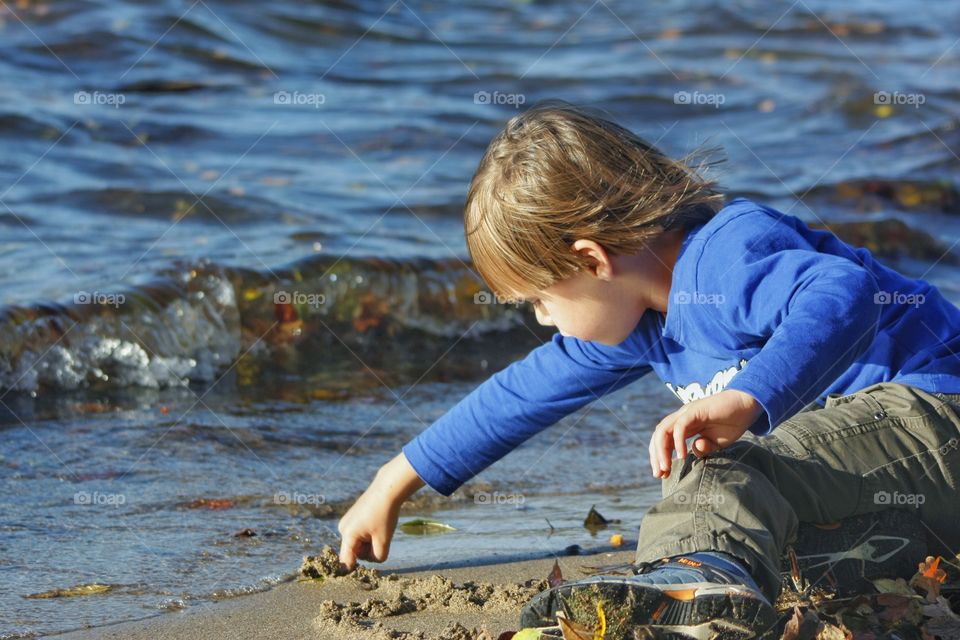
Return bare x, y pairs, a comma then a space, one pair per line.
674, 612
848, 555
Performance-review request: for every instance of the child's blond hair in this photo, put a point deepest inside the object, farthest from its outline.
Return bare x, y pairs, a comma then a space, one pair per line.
558, 173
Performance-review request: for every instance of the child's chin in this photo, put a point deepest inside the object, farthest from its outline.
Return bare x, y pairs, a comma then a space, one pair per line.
607, 340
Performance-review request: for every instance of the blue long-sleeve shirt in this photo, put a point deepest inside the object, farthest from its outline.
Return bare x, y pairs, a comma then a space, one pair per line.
758, 302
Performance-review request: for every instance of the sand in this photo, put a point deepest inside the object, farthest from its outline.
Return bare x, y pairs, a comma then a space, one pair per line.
452, 603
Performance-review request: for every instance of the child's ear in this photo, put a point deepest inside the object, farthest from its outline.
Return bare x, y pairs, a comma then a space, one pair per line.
595, 257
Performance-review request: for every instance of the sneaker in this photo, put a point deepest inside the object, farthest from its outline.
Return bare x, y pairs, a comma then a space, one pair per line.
846, 556
698, 596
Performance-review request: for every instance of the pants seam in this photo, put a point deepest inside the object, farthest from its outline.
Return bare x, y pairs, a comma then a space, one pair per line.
899, 460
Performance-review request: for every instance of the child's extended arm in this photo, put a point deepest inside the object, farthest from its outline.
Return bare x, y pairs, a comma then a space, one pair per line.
554, 379
368, 526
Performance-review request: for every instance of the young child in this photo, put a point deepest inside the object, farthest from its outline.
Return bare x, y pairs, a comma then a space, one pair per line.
816, 382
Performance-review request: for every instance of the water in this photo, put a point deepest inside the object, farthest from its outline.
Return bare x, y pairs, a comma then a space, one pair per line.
181, 165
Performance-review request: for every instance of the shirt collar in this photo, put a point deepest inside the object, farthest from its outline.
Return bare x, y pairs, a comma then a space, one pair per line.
679, 283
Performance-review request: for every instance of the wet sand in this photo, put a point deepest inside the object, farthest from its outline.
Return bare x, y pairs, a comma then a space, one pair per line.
451, 603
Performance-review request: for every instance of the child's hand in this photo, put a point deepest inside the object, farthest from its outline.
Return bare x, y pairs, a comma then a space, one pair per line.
367, 528
717, 421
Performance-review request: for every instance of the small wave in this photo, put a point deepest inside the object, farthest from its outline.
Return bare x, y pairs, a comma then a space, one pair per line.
166, 205
265, 584
197, 320
161, 335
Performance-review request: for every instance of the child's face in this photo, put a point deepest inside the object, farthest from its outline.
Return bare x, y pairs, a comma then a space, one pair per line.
604, 302
587, 307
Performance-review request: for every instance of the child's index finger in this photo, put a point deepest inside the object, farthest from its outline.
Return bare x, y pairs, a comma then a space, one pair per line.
348, 556
664, 453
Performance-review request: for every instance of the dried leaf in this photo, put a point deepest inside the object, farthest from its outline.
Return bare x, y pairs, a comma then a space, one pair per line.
284, 312
897, 607
795, 576
573, 630
555, 579
70, 592
833, 632
898, 586
595, 521
802, 625
423, 527
929, 577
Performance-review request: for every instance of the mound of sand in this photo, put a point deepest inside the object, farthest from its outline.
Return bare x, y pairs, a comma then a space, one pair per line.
392, 597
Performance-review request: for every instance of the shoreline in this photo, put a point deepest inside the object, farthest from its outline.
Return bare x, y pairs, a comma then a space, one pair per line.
449, 600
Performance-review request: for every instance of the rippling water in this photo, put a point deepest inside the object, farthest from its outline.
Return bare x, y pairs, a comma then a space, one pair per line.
233, 266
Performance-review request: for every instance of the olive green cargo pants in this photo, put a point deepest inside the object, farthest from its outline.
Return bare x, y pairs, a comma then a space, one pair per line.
886, 446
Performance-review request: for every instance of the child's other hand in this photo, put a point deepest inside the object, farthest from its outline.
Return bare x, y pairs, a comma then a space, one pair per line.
716, 421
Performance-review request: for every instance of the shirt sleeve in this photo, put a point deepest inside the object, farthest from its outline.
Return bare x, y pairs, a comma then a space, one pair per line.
553, 380
812, 313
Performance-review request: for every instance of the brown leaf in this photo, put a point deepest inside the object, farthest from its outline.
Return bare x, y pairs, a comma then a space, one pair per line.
929, 577
897, 607
596, 521
896, 586
802, 625
555, 579
833, 632
573, 630
795, 576
284, 312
